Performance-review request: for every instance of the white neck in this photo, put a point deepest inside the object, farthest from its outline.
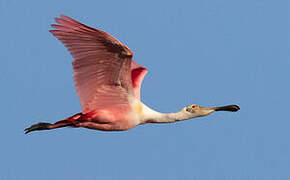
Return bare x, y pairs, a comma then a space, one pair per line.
152, 116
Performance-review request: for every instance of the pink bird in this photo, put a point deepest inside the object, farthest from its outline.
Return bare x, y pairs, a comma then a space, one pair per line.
108, 83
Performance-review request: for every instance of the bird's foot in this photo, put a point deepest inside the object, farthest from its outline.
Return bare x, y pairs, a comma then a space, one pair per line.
38, 127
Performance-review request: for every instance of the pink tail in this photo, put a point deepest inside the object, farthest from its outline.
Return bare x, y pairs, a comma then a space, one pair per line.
47, 126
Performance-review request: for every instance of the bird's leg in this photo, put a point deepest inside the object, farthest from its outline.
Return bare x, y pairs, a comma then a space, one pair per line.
96, 126
38, 127
47, 126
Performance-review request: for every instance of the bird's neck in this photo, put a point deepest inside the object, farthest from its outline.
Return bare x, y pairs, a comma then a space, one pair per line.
152, 116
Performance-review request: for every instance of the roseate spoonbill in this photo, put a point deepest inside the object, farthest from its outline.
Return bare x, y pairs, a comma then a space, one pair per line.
108, 83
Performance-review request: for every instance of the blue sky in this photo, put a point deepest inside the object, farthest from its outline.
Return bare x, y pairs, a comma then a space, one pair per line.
204, 52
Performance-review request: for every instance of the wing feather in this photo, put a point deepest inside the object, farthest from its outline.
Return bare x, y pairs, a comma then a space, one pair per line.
102, 73
138, 73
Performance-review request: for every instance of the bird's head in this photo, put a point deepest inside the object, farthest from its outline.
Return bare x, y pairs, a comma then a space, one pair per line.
198, 111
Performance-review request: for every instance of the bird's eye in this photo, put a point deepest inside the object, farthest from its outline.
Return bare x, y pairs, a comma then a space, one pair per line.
193, 106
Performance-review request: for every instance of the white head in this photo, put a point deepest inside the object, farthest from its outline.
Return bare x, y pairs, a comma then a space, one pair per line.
194, 110
188, 112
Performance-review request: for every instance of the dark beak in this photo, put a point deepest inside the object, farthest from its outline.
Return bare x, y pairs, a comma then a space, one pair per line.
232, 108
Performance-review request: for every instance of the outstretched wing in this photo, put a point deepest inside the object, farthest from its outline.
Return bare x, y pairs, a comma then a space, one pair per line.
138, 73
102, 65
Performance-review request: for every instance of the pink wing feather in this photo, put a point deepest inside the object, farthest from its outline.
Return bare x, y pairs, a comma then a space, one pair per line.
138, 73
102, 65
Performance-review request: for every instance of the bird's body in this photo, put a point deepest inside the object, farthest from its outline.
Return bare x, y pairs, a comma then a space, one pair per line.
108, 83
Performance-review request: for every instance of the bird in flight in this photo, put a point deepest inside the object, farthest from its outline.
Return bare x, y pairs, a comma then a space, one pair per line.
108, 83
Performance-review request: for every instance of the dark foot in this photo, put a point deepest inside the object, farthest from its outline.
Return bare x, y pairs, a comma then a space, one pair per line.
37, 127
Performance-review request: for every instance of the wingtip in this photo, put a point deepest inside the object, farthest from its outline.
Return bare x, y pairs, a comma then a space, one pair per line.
64, 16
52, 31
57, 19
67, 18
54, 26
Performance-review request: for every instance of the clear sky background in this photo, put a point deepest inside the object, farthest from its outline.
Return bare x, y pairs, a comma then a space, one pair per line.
202, 52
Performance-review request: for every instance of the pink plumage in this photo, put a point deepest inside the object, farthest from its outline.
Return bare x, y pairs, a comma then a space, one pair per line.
102, 65
138, 73
108, 83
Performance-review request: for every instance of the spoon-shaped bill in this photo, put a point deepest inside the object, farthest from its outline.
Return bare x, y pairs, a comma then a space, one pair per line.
232, 108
